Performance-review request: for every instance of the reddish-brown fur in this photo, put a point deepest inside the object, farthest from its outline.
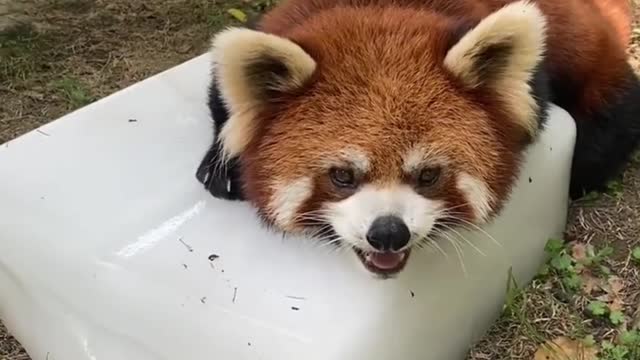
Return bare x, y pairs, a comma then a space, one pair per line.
371, 93
585, 36
619, 15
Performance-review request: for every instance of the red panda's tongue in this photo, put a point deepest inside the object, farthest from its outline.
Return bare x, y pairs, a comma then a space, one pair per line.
386, 260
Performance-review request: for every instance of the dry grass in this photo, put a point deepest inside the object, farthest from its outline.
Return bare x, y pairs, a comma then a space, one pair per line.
68, 53
73, 52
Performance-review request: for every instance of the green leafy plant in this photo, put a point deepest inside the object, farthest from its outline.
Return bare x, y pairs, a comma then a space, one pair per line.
635, 255
562, 265
238, 14
611, 351
590, 197
597, 308
615, 188
595, 259
589, 341
616, 317
601, 309
626, 348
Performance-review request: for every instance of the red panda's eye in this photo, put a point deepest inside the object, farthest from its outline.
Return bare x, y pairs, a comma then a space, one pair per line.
342, 177
429, 176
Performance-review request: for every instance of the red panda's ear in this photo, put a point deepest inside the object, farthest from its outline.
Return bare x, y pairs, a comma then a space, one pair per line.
503, 52
251, 68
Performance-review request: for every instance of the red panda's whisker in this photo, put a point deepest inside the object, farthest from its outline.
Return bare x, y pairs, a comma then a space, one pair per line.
455, 207
310, 217
459, 226
325, 241
323, 236
424, 244
311, 223
429, 243
321, 232
334, 249
459, 252
472, 226
328, 242
318, 211
459, 235
438, 247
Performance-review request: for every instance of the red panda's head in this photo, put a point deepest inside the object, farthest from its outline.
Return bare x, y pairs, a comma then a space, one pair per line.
378, 128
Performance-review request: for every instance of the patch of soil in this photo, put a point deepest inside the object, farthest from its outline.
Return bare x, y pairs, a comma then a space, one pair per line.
10, 349
72, 52
13, 13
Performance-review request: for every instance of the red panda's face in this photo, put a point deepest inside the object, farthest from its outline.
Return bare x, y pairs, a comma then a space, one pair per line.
381, 142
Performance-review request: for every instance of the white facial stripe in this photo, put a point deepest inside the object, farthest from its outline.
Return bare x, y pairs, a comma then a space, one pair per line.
418, 157
352, 217
352, 157
356, 158
413, 159
477, 194
287, 199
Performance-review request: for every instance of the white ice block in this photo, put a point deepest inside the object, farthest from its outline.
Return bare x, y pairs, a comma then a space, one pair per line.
105, 239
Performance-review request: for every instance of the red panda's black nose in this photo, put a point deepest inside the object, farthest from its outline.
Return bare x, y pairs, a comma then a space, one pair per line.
388, 233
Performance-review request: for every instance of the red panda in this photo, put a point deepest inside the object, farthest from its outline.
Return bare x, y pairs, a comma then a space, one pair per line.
379, 124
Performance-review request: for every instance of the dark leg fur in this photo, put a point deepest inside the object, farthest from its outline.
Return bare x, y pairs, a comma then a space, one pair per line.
606, 142
221, 179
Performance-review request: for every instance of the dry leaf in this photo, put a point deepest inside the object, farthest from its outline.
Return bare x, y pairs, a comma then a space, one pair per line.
238, 14
614, 288
616, 285
590, 283
563, 348
616, 305
579, 252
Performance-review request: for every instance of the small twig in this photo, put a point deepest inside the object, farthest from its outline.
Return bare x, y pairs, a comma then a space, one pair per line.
189, 248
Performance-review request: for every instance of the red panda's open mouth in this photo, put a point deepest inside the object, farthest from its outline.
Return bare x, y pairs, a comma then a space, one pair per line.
384, 263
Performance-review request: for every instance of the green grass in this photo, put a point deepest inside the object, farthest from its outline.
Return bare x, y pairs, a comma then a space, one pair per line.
72, 89
516, 309
20, 51
614, 188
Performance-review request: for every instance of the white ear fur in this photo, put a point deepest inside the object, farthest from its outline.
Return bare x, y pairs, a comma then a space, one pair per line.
502, 52
250, 66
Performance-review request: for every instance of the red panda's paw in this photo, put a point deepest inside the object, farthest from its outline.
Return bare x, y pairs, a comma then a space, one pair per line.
220, 178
